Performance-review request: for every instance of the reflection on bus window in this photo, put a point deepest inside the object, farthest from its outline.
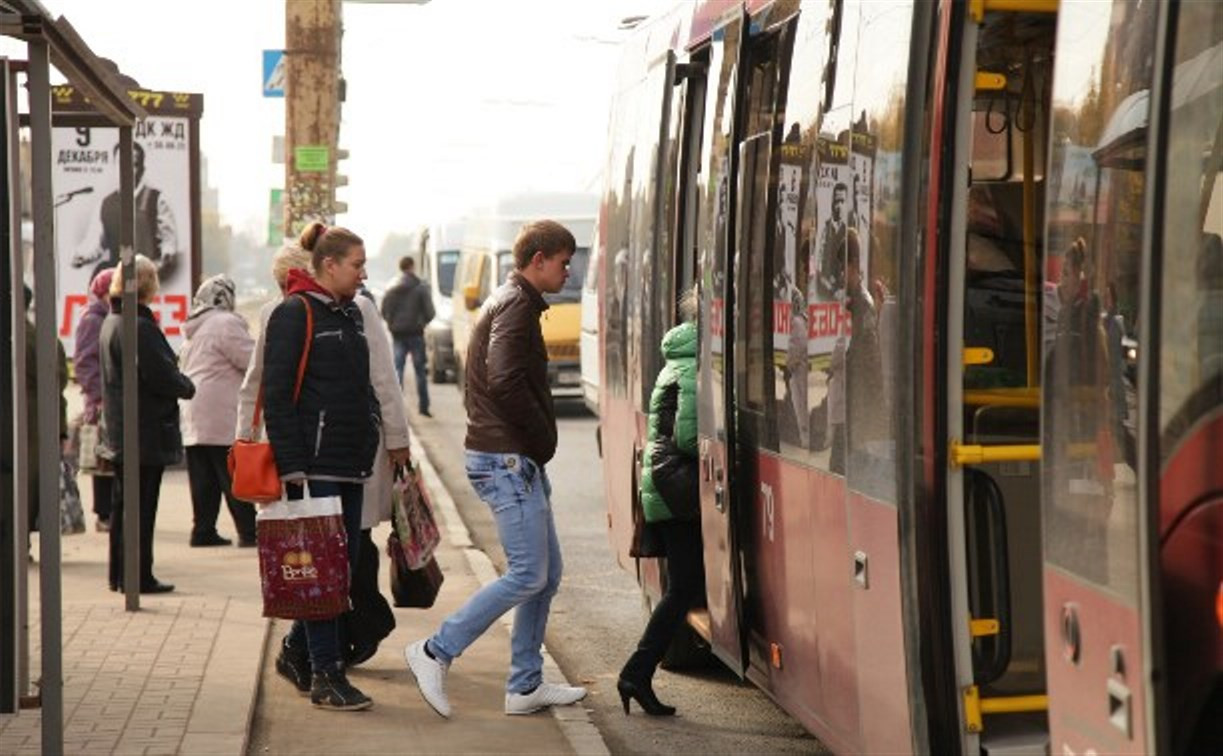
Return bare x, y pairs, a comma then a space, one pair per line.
1094, 226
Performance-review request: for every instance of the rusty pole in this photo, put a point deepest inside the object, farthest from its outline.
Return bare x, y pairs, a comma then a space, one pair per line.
312, 109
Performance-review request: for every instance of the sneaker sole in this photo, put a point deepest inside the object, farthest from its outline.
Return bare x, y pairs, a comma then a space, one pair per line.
408, 660
346, 707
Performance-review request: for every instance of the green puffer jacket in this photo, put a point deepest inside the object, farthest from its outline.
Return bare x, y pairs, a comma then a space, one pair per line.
679, 350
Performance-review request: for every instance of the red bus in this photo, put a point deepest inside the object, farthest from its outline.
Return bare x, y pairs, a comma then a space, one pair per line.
961, 322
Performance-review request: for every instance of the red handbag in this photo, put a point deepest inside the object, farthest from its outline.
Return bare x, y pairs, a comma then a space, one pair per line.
252, 465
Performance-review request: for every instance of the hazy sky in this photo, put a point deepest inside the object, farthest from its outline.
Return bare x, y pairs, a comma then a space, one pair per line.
448, 103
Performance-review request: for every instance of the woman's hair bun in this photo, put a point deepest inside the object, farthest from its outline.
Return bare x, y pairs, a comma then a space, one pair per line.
311, 235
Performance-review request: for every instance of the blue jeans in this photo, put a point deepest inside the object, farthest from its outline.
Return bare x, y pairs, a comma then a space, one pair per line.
518, 492
416, 346
322, 637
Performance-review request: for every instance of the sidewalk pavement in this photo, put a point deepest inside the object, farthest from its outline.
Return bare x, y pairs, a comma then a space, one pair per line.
192, 670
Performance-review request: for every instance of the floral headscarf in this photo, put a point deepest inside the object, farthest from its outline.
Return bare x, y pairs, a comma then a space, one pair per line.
216, 293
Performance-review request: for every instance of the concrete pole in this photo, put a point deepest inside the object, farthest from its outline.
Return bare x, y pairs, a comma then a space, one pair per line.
51, 619
312, 107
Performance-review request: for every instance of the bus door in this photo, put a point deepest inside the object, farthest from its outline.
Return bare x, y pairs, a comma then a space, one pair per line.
715, 423
993, 362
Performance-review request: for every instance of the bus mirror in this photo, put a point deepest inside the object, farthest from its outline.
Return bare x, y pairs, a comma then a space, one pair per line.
471, 293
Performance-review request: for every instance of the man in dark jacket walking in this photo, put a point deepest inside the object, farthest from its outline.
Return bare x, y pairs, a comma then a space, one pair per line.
511, 435
407, 308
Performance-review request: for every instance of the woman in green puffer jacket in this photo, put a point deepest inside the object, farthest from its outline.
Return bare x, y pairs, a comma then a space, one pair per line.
670, 501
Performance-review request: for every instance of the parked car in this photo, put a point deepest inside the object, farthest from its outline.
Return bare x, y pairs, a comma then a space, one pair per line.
440, 260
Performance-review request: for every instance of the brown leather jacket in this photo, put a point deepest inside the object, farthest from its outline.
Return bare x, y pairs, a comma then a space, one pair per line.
509, 403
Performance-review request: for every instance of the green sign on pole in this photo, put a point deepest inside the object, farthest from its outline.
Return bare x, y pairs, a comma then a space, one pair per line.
276, 218
312, 158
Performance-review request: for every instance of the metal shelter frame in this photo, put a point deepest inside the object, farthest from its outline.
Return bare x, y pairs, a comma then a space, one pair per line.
54, 42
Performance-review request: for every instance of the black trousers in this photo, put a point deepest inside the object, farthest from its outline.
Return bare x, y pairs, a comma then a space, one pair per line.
103, 486
684, 589
208, 471
150, 492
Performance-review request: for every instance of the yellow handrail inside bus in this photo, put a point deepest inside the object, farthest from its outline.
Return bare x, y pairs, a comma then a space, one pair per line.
988, 81
978, 355
1027, 106
975, 454
975, 706
979, 628
978, 8
1014, 704
1003, 397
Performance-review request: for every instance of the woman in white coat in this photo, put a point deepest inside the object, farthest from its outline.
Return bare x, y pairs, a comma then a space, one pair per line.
214, 357
392, 450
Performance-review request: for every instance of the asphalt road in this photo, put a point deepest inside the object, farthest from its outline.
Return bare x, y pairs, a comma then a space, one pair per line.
598, 615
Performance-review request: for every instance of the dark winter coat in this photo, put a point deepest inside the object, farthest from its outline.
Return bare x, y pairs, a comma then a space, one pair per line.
671, 447
160, 385
407, 306
331, 433
508, 399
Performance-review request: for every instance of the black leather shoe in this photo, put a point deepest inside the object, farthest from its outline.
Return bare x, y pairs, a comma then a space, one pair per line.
643, 694
213, 539
247, 543
156, 586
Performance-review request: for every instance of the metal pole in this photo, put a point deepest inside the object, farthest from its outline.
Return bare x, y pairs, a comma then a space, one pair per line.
52, 687
13, 570
21, 466
131, 429
312, 107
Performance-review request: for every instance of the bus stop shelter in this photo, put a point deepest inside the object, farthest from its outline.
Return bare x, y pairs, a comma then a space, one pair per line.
48, 42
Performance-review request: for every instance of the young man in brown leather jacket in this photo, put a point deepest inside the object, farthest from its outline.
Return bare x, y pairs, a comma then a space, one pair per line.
511, 435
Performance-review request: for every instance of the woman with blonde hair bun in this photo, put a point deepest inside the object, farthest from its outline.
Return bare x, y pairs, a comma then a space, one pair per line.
326, 437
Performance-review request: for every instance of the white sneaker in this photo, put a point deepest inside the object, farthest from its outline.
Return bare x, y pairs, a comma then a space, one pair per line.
430, 676
547, 694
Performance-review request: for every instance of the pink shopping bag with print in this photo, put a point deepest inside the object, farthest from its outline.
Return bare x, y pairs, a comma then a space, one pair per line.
412, 517
303, 558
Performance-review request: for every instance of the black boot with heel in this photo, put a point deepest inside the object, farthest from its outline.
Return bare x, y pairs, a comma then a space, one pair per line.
643, 694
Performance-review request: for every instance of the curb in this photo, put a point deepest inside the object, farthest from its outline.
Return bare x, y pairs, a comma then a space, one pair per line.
574, 721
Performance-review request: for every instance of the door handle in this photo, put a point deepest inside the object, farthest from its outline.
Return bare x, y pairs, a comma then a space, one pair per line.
1119, 707
719, 498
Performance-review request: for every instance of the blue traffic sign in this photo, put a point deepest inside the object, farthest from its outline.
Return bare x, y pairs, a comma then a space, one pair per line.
273, 73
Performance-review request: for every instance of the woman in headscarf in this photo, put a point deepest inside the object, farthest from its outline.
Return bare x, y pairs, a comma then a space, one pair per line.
215, 357
89, 376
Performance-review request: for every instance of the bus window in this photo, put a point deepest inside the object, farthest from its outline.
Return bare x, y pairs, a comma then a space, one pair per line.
715, 208
755, 313
880, 35
1093, 239
1191, 363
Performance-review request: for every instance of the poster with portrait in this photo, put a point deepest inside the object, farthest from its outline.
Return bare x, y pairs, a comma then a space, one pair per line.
842, 190
85, 182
